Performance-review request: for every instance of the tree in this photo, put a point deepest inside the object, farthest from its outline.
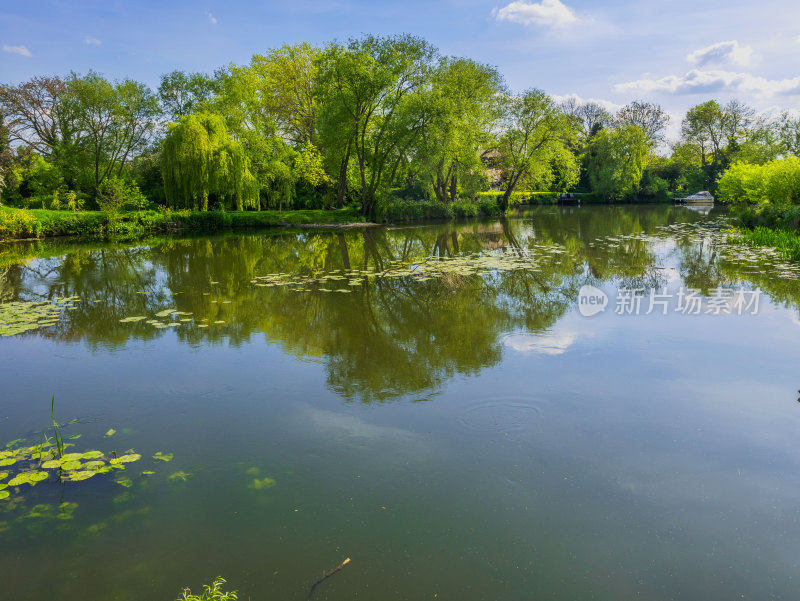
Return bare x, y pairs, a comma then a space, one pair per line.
590, 116
116, 121
616, 160
201, 160
534, 134
284, 81
789, 131
180, 93
461, 98
366, 88
6, 155
651, 118
36, 115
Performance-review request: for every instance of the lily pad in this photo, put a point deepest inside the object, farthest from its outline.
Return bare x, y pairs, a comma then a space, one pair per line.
111, 432
82, 475
182, 476
262, 484
163, 456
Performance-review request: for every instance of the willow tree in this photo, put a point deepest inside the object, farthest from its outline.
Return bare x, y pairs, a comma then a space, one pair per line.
200, 160
535, 136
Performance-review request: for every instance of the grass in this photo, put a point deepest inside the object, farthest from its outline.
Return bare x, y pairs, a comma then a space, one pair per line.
785, 242
43, 223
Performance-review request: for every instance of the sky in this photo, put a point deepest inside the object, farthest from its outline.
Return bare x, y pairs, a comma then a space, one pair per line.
674, 52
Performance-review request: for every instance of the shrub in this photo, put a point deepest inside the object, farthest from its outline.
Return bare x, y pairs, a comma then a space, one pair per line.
488, 206
117, 194
412, 210
55, 202
773, 183
465, 209
18, 223
73, 201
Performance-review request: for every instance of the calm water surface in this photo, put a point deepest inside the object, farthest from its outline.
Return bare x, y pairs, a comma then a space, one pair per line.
453, 424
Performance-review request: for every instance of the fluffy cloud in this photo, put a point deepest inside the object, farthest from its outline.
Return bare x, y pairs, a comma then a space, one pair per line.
211, 18
21, 50
698, 81
549, 13
92, 41
611, 107
730, 52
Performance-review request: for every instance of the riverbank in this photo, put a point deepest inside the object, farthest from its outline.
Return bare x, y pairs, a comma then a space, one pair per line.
19, 224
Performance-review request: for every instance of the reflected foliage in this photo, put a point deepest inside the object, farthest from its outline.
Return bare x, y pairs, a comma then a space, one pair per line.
388, 335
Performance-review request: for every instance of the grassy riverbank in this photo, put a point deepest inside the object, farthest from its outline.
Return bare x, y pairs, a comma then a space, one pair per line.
40, 223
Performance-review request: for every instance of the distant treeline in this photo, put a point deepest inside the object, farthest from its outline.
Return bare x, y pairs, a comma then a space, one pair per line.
370, 122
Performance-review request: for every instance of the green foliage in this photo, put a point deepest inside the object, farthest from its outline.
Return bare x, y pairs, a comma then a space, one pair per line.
397, 210
211, 592
786, 243
19, 224
118, 194
535, 135
776, 182
200, 160
180, 93
370, 91
616, 159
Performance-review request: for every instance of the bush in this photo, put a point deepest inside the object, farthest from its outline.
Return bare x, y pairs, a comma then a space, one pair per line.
412, 210
18, 224
777, 182
117, 194
465, 209
488, 206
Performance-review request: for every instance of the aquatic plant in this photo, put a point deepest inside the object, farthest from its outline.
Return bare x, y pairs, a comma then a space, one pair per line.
211, 592
18, 317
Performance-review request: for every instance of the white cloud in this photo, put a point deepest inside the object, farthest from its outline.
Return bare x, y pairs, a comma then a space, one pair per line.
545, 344
730, 52
611, 107
549, 13
92, 41
698, 81
21, 50
211, 18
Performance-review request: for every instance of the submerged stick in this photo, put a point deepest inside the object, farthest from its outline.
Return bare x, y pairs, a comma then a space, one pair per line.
325, 576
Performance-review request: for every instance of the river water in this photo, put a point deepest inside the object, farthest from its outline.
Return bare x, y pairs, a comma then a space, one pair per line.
433, 402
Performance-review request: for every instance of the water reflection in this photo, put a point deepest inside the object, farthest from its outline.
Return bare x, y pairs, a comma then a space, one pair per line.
388, 336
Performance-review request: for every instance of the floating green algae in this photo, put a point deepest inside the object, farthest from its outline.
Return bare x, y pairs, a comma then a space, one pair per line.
18, 317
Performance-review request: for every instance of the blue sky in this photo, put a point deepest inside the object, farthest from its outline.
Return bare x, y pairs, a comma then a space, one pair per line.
674, 52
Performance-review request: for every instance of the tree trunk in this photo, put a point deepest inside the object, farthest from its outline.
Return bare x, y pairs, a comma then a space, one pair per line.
454, 188
342, 187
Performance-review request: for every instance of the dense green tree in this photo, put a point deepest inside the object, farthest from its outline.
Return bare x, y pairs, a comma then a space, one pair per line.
461, 97
368, 96
616, 160
534, 133
116, 121
181, 93
201, 161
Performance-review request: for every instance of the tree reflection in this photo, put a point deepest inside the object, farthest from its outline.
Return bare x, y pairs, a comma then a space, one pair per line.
388, 336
